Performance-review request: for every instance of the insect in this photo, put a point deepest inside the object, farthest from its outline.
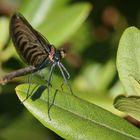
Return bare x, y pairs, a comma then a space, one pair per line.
35, 50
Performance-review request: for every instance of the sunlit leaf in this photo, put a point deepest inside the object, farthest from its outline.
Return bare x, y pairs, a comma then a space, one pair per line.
74, 118
128, 60
65, 22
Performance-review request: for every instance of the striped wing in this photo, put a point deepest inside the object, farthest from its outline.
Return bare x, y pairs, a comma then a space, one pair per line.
32, 47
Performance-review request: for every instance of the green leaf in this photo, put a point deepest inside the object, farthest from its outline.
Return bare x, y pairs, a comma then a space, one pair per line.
74, 118
129, 105
128, 60
103, 75
4, 31
36, 10
31, 129
57, 24
64, 23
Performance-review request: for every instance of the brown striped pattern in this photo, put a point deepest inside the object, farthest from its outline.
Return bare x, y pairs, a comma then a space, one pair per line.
31, 45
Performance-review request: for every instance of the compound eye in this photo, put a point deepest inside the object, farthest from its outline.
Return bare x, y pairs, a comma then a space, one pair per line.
62, 53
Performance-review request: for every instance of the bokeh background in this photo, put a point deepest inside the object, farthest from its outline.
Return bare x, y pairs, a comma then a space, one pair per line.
89, 30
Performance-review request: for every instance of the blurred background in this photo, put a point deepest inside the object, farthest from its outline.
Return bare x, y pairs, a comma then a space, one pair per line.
89, 31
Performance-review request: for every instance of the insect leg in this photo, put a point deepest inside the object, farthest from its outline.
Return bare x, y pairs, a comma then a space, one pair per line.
65, 70
62, 86
28, 91
67, 73
43, 65
65, 79
52, 102
49, 80
43, 77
